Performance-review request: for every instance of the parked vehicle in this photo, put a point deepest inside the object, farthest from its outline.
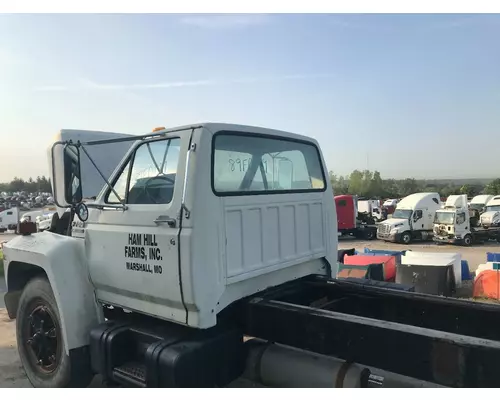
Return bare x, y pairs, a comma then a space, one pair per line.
479, 202
9, 219
457, 224
348, 218
371, 208
390, 205
491, 215
202, 237
413, 219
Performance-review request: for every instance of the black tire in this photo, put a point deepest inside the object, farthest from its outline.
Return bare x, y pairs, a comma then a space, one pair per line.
369, 234
406, 237
38, 299
467, 240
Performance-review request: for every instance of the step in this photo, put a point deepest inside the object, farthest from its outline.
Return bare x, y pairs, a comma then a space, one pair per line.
132, 373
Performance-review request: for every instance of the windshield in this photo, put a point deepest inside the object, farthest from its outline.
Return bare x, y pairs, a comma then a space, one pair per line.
402, 214
493, 208
476, 206
444, 217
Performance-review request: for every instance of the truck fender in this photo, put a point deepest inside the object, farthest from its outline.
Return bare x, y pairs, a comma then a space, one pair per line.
61, 259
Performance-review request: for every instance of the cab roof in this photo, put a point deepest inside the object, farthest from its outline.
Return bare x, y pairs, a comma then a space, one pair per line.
220, 126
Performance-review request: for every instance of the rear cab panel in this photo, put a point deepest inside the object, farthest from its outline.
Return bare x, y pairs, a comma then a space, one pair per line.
244, 240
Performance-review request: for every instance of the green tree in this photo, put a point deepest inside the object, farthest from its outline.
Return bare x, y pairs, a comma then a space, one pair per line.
493, 187
355, 182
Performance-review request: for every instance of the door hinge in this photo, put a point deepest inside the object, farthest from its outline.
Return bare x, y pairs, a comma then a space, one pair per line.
193, 147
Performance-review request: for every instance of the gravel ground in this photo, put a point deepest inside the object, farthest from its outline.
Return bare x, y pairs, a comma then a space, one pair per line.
11, 371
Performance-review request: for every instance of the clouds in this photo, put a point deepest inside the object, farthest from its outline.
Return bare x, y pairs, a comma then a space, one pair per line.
86, 84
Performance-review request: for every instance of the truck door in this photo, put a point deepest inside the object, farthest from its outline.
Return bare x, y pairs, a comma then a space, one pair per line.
418, 220
461, 223
133, 254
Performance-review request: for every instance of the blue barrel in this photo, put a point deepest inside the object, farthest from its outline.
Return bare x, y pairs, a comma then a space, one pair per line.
465, 271
493, 257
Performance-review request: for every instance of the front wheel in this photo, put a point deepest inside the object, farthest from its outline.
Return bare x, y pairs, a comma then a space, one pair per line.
467, 240
406, 238
369, 234
40, 341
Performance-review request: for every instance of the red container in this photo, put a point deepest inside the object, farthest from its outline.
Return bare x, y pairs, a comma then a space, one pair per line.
389, 263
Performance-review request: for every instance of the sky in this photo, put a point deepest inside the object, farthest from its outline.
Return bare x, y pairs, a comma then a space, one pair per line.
407, 95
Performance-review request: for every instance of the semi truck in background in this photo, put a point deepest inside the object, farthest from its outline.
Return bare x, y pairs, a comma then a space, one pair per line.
456, 223
371, 208
9, 219
413, 219
390, 205
479, 202
491, 215
348, 218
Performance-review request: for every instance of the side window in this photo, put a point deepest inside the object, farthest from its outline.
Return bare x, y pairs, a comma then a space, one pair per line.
152, 175
417, 215
9, 212
120, 187
460, 218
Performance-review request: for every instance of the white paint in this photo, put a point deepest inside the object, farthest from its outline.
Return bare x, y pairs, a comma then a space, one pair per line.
9, 217
413, 205
231, 247
63, 260
439, 259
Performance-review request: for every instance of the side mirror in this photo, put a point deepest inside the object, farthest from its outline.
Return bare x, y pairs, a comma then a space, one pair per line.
72, 175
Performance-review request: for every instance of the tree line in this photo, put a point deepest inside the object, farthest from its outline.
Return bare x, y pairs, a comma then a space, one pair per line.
40, 184
371, 185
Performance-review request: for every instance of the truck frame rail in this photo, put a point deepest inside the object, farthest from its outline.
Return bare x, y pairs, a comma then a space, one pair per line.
446, 341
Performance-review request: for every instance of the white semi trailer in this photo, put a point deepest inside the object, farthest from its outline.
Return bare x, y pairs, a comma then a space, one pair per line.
201, 237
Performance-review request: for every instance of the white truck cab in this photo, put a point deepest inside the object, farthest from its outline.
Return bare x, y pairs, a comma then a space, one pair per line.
452, 223
479, 202
412, 219
371, 208
9, 219
491, 215
194, 219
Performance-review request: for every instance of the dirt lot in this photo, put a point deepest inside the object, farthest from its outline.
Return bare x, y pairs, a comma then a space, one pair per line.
12, 374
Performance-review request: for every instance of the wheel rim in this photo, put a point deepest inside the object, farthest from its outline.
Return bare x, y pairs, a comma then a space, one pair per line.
41, 339
467, 240
406, 239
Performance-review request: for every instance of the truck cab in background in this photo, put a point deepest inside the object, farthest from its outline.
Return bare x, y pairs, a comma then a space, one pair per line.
479, 202
456, 223
9, 219
491, 215
452, 223
390, 205
349, 221
371, 208
412, 219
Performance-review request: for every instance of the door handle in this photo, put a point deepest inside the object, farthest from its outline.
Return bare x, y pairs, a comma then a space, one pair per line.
165, 219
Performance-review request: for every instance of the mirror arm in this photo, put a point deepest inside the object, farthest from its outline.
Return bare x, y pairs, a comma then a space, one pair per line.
102, 176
